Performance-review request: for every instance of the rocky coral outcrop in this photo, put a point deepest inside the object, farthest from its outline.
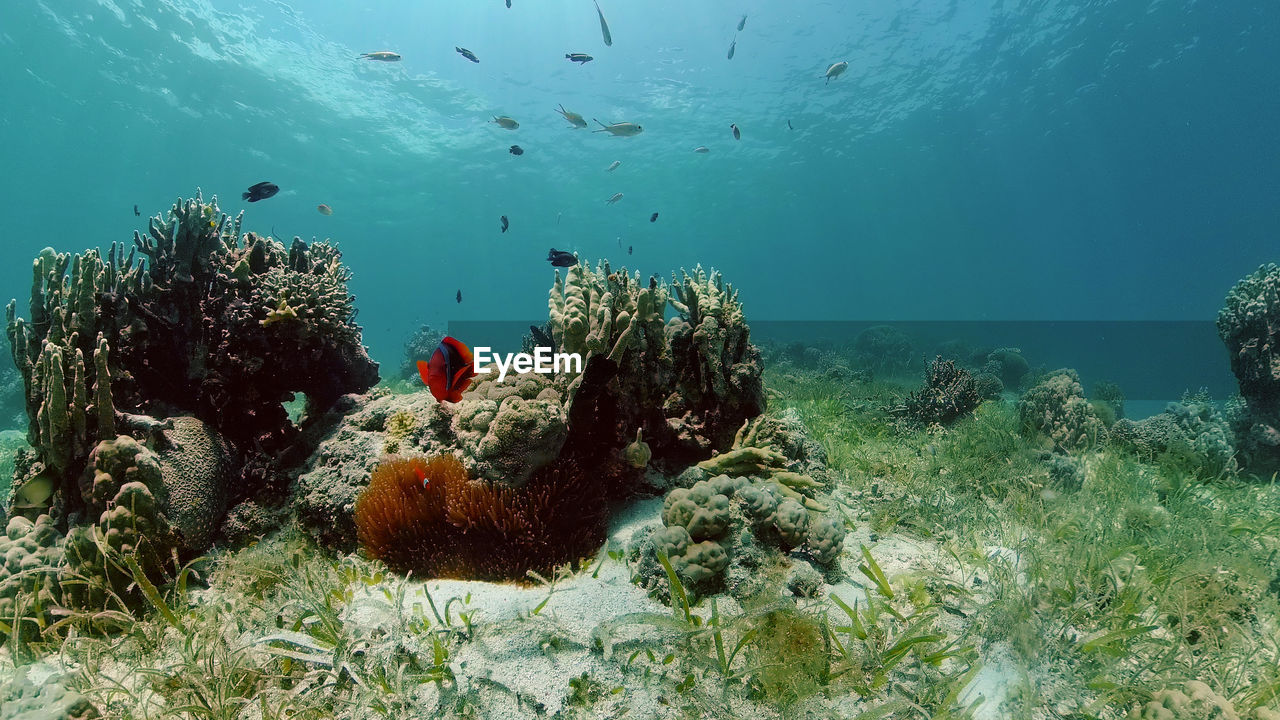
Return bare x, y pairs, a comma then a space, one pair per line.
1249, 325
1194, 427
1056, 408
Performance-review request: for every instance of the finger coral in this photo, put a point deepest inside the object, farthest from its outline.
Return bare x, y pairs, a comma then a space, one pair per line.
424, 515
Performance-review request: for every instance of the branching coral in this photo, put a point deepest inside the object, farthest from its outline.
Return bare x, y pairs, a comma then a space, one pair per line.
425, 515
118, 346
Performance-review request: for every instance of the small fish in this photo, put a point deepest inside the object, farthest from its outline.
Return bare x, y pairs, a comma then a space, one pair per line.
467, 54
653, 217
733, 46
450, 370
505, 223
135, 211
737, 134
742, 23
789, 125
580, 58
508, 4
383, 55
560, 258
702, 149
574, 118
622, 129
324, 209
516, 150
613, 198
260, 191
604, 26
505, 122
630, 249
459, 297
613, 166
835, 70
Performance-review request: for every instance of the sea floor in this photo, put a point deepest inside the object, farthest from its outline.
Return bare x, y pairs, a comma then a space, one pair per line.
975, 582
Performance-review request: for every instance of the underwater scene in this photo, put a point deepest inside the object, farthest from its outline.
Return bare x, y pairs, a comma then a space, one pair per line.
676, 359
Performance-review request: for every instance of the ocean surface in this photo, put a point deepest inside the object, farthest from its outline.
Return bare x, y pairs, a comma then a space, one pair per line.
979, 161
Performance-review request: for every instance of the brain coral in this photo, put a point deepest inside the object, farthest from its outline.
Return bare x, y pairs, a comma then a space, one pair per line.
508, 431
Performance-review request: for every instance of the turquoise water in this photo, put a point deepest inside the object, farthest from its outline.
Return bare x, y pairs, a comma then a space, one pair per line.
979, 160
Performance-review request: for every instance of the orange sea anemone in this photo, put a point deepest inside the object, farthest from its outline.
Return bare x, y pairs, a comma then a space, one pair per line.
449, 526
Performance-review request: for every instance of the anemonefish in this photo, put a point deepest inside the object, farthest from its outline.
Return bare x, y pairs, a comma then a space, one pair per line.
450, 370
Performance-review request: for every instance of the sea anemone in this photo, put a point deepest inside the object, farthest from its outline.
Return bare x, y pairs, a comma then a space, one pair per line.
426, 516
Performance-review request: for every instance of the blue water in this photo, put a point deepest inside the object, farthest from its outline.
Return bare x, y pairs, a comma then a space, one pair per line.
979, 160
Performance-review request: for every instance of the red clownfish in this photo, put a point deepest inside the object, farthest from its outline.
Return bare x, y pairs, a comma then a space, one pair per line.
449, 372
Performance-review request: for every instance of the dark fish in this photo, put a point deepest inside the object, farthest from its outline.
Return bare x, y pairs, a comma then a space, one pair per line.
467, 54
516, 150
742, 23
789, 125
135, 211
732, 47
450, 370
508, 4
505, 223
383, 55
737, 134
630, 249
560, 258
580, 58
653, 217
459, 296
261, 191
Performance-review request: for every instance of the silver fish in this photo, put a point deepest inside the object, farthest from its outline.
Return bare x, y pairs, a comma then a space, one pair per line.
604, 26
733, 46
742, 23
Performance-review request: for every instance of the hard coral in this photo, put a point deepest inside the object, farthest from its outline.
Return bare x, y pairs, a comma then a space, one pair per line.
114, 345
1056, 408
1249, 325
453, 527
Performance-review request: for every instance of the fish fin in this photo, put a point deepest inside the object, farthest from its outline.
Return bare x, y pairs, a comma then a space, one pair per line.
424, 371
244, 196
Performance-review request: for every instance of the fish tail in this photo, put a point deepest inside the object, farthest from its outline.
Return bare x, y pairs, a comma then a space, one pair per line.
244, 196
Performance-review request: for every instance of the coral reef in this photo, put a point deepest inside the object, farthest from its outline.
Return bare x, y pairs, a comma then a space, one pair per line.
1249, 325
154, 389
425, 515
949, 393
883, 349
419, 346
1193, 429
32, 553
1109, 394
1008, 364
1056, 408
687, 384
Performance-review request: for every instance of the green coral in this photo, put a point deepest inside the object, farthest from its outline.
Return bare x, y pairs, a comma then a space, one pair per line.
701, 510
32, 553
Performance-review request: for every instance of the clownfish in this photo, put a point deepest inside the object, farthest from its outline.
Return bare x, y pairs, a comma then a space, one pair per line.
449, 372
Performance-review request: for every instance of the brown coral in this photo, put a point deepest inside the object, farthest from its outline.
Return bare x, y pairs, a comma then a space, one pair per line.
453, 527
